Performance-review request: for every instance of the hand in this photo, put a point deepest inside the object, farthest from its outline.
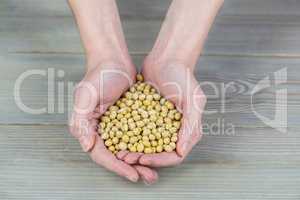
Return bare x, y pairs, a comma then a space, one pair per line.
177, 83
100, 88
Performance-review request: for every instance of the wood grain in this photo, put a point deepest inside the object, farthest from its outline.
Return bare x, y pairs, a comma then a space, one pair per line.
45, 162
237, 74
250, 40
258, 34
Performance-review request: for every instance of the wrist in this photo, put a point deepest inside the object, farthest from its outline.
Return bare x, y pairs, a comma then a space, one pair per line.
95, 61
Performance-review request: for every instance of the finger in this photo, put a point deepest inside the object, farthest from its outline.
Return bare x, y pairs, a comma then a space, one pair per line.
106, 159
149, 176
121, 154
161, 159
132, 158
191, 129
84, 130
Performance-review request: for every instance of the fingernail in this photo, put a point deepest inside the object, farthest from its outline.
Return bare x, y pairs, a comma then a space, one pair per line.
132, 178
144, 161
85, 143
146, 183
184, 148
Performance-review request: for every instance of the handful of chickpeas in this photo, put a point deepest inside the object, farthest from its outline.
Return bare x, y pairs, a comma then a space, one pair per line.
140, 121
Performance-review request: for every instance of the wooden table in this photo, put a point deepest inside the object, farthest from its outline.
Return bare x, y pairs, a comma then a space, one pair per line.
250, 40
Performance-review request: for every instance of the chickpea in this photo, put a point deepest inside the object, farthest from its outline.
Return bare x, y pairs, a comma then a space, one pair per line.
125, 138
140, 121
168, 148
140, 148
123, 146
148, 150
115, 140
159, 149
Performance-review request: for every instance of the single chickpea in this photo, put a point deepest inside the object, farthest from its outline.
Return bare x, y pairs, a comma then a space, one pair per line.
148, 150
167, 140
132, 149
177, 116
165, 134
151, 137
135, 96
133, 139
129, 102
146, 143
119, 134
157, 107
174, 138
130, 133
108, 142
120, 116
169, 105
112, 134
154, 143
132, 89
104, 136
162, 101
168, 126
145, 138
136, 118
139, 77
136, 131
146, 131
127, 116
125, 138
159, 149
160, 142
113, 115
142, 97
172, 145
167, 148
140, 124
156, 97
157, 136
105, 119
102, 125
153, 149
146, 102
140, 147
122, 146
149, 97
125, 127
111, 148
115, 140
176, 124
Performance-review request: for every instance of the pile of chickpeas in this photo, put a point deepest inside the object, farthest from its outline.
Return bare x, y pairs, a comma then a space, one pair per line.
140, 121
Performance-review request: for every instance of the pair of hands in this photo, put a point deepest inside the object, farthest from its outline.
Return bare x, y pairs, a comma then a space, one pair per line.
102, 86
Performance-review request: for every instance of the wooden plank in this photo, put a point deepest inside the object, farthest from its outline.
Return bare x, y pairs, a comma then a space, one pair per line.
44, 162
245, 73
276, 36
244, 34
148, 9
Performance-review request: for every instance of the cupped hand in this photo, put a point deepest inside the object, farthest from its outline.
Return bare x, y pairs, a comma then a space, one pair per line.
177, 83
101, 87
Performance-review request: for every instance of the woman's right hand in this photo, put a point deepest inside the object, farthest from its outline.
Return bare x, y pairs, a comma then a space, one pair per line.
101, 87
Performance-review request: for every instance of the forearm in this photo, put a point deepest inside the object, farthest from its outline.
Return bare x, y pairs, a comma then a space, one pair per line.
100, 30
184, 31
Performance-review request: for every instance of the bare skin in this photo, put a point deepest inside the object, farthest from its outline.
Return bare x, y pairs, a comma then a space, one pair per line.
109, 73
169, 67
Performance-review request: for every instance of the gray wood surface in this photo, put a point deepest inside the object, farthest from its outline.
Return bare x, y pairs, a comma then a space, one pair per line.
250, 40
44, 162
